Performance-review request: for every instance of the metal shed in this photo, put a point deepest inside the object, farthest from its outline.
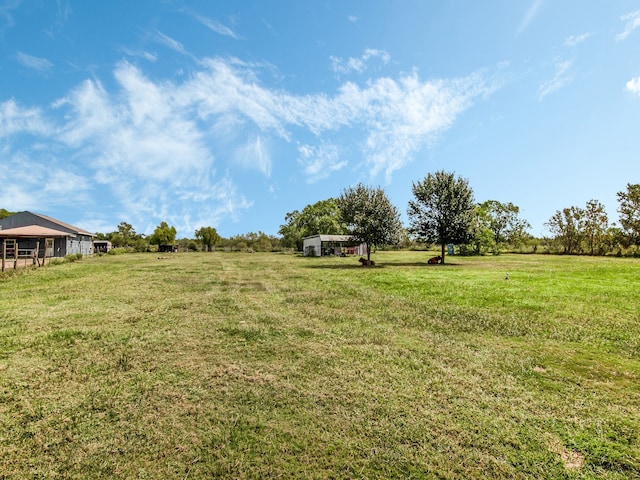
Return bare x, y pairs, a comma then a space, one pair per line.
75, 240
322, 245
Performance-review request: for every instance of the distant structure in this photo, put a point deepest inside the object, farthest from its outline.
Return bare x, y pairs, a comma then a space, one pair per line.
323, 245
38, 237
101, 246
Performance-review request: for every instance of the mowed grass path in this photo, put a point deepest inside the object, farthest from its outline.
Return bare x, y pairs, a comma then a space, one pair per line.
265, 365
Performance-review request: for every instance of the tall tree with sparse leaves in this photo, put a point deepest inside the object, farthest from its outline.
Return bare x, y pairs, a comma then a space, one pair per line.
629, 210
442, 211
568, 227
369, 216
596, 224
127, 232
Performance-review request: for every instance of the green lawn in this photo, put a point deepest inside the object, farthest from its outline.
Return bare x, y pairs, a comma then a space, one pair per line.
265, 365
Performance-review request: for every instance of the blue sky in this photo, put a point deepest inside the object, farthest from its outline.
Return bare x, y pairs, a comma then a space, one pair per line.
232, 113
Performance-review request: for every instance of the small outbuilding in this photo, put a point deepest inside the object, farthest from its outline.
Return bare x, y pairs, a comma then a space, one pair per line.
101, 246
323, 245
27, 234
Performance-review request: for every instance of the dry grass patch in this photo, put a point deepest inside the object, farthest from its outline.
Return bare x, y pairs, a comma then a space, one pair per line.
571, 459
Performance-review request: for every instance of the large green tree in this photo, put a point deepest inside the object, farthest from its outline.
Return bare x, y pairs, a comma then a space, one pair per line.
504, 222
629, 210
370, 217
442, 211
322, 217
208, 236
163, 235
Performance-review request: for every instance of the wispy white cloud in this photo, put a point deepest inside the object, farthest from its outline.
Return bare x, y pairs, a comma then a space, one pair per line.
254, 154
36, 183
529, 16
352, 19
6, 14
140, 128
63, 183
157, 144
633, 86
63, 13
632, 21
169, 42
151, 57
217, 27
393, 119
561, 78
358, 65
34, 63
143, 145
574, 40
15, 119
319, 162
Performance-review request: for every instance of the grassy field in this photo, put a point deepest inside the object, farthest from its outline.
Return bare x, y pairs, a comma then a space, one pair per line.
268, 365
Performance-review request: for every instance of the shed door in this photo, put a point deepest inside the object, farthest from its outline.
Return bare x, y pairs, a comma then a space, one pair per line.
48, 247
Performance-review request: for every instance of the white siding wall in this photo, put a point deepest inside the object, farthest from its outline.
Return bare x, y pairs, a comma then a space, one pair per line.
312, 247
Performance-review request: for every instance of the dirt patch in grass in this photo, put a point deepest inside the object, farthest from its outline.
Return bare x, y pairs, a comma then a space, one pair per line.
571, 459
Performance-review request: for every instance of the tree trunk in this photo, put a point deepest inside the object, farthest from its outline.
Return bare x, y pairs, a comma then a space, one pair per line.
442, 254
368, 252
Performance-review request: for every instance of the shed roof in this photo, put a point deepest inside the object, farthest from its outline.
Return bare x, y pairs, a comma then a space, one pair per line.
332, 238
32, 231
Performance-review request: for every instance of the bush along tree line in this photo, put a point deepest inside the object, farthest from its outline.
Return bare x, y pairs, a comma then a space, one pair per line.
125, 239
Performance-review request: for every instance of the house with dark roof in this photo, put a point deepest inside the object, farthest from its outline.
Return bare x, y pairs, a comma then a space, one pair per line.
27, 231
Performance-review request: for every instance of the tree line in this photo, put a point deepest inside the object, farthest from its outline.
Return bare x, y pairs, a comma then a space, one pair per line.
126, 239
443, 212
577, 230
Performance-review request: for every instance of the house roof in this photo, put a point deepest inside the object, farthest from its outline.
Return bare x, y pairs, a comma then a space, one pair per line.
65, 225
32, 231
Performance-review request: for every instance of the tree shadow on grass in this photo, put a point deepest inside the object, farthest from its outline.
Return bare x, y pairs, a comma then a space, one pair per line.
423, 264
384, 265
339, 267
